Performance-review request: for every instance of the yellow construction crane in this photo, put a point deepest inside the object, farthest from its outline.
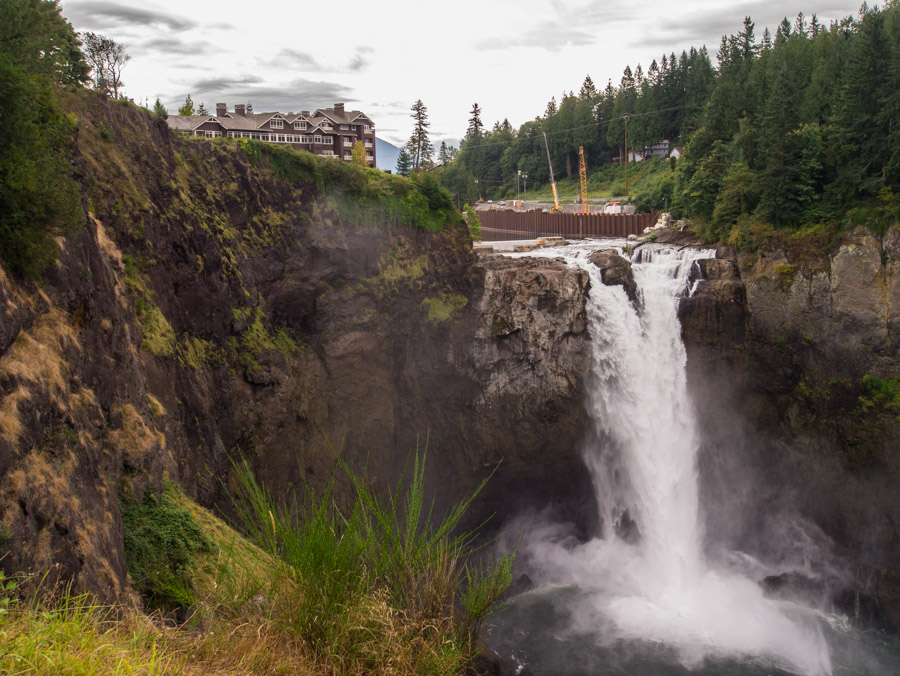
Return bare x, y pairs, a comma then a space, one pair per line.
552, 180
585, 207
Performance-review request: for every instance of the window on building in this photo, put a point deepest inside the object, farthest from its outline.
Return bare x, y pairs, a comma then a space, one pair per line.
276, 124
300, 124
318, 139
281, 138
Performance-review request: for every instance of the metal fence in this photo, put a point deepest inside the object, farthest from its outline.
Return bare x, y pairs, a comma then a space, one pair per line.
502, 225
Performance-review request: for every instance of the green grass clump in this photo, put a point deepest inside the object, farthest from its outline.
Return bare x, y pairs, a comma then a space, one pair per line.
73, 636
382, 583
881, 397
443, 307
247, 346
161, 541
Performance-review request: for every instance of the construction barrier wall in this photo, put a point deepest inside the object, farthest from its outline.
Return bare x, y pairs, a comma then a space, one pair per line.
499, 225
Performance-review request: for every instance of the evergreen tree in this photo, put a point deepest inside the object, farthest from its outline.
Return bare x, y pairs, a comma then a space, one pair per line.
249, 108
419, 145
160, 109
188, 107
588, 91
404, 163
201, 109
444, 154
475, 128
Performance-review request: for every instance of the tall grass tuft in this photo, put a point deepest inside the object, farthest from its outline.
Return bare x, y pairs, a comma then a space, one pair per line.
382, 587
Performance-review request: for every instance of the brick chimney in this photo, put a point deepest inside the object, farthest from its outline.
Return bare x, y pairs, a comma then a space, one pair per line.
339, 109
221, 109
240, 109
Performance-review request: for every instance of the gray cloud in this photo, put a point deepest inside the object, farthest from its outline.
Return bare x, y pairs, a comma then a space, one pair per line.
100, 14
569, 25
224, 83
552, 36
297, 59
359, 60
174, 46
708, 27
298, 94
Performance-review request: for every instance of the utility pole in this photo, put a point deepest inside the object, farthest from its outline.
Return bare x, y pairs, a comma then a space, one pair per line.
626, 155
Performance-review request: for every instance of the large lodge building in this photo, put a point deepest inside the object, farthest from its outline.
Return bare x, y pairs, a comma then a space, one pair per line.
329, 132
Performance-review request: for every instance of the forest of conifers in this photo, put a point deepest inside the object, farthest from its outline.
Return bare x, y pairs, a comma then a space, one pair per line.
798, 128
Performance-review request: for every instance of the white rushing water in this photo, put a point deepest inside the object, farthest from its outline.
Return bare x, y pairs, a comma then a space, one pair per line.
646, 577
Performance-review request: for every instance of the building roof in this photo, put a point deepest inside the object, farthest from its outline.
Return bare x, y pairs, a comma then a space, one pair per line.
253, 121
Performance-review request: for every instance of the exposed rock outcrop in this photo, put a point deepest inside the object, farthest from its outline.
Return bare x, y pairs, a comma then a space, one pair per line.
799, 347
616, 271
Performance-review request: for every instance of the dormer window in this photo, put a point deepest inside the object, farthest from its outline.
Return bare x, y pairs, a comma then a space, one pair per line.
300, 124
276, 124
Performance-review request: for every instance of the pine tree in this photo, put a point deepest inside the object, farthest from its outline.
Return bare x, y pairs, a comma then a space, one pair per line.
249, 108
476, 128
444, 155
588, 91
404, 163
201, 109
188, 107
419, 145
160, 110
550, 111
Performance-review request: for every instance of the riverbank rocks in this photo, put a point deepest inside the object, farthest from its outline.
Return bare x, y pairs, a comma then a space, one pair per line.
616, 271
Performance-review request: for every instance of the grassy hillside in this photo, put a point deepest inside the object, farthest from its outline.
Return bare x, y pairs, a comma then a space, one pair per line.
650, 183
374, 590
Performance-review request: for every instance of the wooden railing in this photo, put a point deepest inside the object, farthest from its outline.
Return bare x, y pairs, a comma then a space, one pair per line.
507, 224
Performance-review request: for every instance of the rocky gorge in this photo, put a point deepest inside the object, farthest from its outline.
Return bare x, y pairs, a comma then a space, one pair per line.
219, 304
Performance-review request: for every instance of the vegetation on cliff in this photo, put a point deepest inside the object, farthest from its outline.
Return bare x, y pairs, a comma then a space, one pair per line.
39, 198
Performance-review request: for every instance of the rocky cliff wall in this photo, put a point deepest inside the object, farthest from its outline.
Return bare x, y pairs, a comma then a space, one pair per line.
794, 359
221, 304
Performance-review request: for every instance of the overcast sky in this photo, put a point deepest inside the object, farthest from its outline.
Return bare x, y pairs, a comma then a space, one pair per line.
510, 56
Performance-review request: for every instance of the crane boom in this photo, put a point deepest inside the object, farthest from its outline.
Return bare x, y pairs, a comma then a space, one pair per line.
552, 180
585, 207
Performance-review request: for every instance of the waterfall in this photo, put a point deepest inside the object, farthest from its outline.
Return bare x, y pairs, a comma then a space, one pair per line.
645, 576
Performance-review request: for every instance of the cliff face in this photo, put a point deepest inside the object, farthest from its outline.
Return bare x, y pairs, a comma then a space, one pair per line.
217, 305
806, 352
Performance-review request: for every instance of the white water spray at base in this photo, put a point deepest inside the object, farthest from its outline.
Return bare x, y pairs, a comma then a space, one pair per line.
646, 578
